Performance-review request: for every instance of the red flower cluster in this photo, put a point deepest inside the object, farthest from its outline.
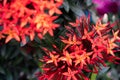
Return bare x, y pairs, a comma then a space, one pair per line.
87, 48
21, 18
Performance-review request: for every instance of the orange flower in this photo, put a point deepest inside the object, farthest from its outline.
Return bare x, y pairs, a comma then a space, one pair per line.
110, 46
29, 14
99, 27
80, 59
67, 58
71, 74
85, 47
54, 59
53, 7
45, 23
12, 33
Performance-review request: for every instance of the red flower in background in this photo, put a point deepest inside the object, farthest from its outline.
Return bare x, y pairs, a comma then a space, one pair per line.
30, 16
107, 6
85, 46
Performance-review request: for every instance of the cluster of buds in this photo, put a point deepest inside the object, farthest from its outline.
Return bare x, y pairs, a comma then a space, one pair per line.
87, 48
21, 18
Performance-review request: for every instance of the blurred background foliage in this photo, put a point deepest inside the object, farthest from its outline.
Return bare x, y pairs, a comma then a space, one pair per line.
21, 62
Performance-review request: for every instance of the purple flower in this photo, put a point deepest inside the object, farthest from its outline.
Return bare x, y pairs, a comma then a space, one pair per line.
107, 6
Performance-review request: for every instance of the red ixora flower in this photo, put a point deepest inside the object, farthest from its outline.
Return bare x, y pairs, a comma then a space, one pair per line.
87, 47
31, 17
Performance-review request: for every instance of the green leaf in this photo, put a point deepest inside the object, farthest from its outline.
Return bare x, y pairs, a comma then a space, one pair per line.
18, 61
103, 70
93, 76
3, 51
77, 10
40, 63
76, 7
66, 6
59, 20
9, 75
16, 52
2, 70
89, 2
8, 53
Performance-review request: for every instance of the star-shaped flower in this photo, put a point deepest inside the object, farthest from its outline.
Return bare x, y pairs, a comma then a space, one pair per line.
54, 59
70, 74
67, 57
